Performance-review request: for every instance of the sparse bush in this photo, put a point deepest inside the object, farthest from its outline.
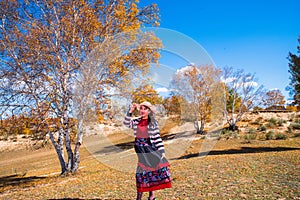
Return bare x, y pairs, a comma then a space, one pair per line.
280, 136
280, 122
290, 129
272, 121
297, 121
262, 128
295, 125
249, 137
228, 134
291, 117
250, 134
257, 121
297, 135
270, 125
270, 135
235, 135
251, 131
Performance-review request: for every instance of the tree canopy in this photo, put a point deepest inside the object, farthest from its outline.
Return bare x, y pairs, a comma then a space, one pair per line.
58, 57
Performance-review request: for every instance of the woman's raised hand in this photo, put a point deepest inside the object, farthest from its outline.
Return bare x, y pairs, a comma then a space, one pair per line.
132, 107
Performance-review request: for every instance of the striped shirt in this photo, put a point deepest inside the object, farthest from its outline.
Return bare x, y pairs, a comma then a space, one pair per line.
153, 131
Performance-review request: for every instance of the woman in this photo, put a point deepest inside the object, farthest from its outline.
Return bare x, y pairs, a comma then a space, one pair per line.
153, 168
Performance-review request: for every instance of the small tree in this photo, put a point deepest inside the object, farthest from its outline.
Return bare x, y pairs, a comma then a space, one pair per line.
294, 70
172, 105
243, 95
198, 86
274, 100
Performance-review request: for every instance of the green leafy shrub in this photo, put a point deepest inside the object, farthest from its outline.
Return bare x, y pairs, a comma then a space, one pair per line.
235, 135
270, 135
280, 136
273, 121
250, 134
295, 125
251, 131
280, 122
228, 134
270, 125
262, 128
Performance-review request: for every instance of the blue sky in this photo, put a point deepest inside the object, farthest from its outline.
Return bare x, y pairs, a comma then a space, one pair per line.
252, 35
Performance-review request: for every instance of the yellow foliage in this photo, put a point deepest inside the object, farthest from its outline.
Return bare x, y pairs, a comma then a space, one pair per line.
292, 108
26, 131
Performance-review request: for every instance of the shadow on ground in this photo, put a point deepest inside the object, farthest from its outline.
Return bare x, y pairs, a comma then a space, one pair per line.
14, 180
117, 148
243, 150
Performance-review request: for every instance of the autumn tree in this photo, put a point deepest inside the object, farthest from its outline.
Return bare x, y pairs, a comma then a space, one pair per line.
59, 57
243, 94
198, 86
294, 70
172, 105
274, 100
146, 92
233, 100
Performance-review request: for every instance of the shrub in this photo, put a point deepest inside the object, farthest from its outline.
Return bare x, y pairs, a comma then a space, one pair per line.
297, 121
290, 129
297, 135
291, 117
228, 133
235, 135
250, 134
250, 137
270, 135
295, 125
251, 131
280, 136
280, 122
262, 128
270, 125
272, 121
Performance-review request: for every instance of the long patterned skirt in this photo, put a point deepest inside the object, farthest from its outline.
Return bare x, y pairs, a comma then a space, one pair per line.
152, 170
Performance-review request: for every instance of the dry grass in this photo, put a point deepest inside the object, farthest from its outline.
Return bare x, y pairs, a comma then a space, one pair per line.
233, 169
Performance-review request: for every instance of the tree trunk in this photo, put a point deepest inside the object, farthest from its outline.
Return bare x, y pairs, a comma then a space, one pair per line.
199, 130
196, 125
59, 150
202, 128
69, 151
233, 127
76, 158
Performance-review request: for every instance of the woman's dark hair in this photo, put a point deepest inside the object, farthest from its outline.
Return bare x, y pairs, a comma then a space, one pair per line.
151, 118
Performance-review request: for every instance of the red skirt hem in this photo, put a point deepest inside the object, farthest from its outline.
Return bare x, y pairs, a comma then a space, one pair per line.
156, 187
